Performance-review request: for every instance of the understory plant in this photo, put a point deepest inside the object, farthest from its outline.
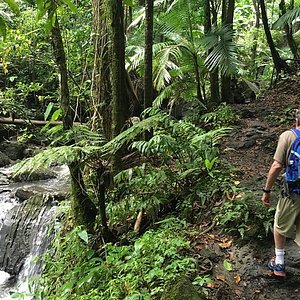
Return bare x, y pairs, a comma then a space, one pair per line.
244, 216
141, 270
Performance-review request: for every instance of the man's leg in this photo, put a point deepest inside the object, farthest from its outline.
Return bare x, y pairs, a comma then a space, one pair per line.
279, 247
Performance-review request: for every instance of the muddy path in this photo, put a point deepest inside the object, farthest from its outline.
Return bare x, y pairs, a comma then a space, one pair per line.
252, 145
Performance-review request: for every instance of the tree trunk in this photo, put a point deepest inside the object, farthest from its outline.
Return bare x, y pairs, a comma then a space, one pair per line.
213, 76
60, 58
194, 55
83, 208
255, 37
227, 19
120, 108
289, 33
101, 87
148, 87
279, 64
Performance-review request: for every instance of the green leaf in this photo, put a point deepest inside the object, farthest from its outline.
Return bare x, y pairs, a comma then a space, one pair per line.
128, 2
227, 265
56, 115
13, 5
71, 5
84, 236
48, 110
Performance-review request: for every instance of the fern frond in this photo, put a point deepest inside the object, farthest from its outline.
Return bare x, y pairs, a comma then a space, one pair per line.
47, 158
80, 135
131, 133
287, 19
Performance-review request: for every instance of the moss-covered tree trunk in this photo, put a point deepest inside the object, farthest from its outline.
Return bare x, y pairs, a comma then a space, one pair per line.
83, 208
101, 87
120, 101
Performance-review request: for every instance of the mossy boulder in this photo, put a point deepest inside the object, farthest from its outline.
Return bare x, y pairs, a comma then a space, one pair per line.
183, 289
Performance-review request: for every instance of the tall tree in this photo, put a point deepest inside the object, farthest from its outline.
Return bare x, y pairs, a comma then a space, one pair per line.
213, 75
279, 63
101, 86
227, 20
83, 208
148, 87
120, 99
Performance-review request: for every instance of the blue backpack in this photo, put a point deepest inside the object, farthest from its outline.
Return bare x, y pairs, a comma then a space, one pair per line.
292, 171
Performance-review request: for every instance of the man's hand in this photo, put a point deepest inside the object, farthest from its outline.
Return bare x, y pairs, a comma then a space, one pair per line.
266, 199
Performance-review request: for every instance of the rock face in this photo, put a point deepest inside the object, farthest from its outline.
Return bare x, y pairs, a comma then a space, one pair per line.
18, 231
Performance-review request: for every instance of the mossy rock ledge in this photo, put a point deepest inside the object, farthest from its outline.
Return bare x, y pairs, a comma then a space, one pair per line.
183, 289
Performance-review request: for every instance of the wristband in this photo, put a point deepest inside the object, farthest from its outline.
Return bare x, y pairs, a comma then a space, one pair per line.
266, 191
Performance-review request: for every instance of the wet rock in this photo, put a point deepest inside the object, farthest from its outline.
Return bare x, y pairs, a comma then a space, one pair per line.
22, 194
18, 232
13, 150
183, 290
4, 160
34, 176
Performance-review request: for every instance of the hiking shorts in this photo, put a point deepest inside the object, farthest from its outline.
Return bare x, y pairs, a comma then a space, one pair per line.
287, 217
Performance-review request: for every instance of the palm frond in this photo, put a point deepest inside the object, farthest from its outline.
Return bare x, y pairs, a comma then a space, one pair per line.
224, 50
135, 57
162, 63
287, 19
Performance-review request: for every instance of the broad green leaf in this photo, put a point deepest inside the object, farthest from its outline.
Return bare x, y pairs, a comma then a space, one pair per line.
56, 115
227, 265
84, 236
48, 110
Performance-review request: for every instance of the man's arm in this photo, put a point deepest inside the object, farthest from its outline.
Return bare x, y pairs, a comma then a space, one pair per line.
273, 173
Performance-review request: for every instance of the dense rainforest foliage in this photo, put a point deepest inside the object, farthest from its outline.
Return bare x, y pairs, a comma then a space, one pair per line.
135, 97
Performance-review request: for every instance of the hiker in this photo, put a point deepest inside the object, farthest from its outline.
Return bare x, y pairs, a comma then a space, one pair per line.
287, 214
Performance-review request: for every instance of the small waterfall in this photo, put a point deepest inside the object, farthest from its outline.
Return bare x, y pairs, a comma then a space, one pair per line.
38, 239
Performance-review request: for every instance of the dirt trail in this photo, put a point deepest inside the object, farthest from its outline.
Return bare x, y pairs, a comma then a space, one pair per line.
253, 144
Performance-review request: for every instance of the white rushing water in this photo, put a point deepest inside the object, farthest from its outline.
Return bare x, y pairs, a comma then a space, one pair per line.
31, 268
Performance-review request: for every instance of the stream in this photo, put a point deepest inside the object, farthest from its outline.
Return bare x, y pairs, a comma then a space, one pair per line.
36, 238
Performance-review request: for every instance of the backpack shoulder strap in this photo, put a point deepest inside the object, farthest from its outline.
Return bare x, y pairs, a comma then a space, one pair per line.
296, 132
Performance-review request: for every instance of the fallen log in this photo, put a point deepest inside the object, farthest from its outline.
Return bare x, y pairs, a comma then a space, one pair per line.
30, 122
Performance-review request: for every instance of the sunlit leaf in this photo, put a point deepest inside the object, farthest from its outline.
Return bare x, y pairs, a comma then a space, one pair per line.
84, 236
227, 265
